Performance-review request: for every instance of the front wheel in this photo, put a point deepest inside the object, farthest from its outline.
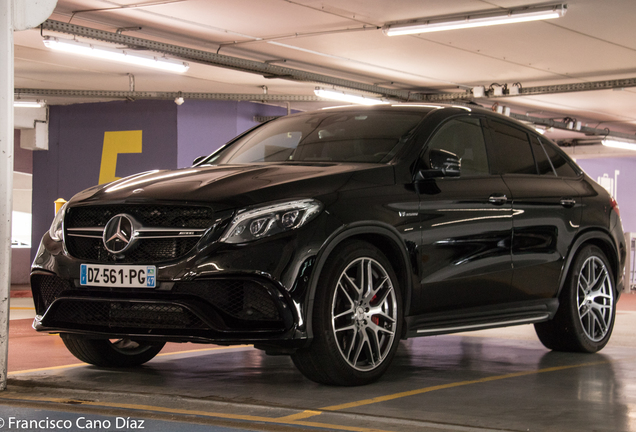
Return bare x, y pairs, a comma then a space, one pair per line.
585, 318
357, 318
110, 352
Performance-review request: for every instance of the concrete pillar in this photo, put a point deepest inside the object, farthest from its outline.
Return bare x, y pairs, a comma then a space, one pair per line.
6, 177
14, 15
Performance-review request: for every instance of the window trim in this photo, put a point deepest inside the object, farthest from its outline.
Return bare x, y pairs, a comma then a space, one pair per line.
545, 153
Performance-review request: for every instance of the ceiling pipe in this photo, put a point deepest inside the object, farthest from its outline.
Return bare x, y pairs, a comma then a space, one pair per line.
566, 125
131, 95
115, 94
267, 70
537, 90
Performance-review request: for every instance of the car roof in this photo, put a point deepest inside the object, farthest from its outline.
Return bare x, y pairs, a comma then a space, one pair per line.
426, 108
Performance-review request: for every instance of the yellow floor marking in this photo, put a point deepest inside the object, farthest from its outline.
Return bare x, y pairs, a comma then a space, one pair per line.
165, 410
302, 415
455, 384
68, 366
205, 349
73, 365
294, 419
21, 308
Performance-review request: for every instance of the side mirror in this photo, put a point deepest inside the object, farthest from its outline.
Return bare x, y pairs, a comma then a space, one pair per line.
198, 159
442, 163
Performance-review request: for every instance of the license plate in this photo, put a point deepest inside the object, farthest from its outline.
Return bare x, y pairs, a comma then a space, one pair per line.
118, 276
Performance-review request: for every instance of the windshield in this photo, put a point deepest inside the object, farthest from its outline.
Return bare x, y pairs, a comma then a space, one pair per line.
373, 136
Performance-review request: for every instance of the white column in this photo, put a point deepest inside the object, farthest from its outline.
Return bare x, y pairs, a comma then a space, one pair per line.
6, 176
14, 15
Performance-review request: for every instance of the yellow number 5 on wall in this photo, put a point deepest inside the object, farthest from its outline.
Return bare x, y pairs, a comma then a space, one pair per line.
115, 143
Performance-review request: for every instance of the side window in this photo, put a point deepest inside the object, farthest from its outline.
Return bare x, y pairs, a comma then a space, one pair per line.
510, 153
562, 167
543, 163
464, 137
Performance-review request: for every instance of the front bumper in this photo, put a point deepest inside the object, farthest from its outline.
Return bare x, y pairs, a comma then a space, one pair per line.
219, 310
225, 294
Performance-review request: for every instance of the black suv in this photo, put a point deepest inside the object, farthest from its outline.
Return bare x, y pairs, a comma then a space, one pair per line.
331, 235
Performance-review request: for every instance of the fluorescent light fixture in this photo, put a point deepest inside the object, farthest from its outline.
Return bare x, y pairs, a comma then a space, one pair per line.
625, 145
476, 19
347, 97
29, 104
115, 54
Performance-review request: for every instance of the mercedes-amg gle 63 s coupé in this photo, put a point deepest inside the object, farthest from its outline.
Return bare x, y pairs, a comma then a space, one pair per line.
332, 235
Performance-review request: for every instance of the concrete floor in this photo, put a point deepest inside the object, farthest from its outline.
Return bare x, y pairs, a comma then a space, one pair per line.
501, 379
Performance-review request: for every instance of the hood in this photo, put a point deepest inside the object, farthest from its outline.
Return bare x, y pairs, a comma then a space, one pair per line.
234, 186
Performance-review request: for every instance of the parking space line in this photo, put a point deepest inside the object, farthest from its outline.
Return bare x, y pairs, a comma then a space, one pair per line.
455, 384
298, 419
219, 348
176, 411
74, 365
302, 415
68, 366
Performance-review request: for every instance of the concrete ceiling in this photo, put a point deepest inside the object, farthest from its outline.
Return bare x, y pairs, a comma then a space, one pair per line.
595, 40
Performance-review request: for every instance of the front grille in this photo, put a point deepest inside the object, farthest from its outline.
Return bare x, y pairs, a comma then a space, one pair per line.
47, 288
147, 250
123, 314
147, 215
240, 299
88, 245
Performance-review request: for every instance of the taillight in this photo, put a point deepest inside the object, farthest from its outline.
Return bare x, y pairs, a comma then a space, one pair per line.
614, 206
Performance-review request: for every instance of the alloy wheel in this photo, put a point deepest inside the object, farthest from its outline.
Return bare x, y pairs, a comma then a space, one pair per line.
364, 314
595, 299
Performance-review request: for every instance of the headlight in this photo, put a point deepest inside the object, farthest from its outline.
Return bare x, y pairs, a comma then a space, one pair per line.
253, 224
56, 230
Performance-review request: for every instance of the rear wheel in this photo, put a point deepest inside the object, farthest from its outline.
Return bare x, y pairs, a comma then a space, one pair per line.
587, 309
110, 352
357, 319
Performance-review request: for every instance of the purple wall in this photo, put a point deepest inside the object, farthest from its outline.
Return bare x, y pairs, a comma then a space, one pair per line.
76, 138
204, 126
623, 183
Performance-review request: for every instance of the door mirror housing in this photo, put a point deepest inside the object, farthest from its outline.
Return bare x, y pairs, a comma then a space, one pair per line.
442, 163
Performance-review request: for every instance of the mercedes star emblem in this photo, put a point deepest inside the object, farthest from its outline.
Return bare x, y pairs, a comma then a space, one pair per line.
119, 234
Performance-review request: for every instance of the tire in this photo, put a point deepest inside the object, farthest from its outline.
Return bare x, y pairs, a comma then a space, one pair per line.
107, 353
357, 320
587, 309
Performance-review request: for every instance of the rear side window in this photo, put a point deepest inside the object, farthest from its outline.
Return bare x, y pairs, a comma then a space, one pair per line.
510, 151
463, 137
544, 166
561, 165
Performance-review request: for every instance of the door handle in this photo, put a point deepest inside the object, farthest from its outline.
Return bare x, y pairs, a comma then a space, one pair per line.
568, 202
498, 199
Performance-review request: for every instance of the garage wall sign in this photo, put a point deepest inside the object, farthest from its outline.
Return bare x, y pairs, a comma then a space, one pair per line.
116, 143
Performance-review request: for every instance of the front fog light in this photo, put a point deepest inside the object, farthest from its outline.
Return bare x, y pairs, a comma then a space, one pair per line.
259, 222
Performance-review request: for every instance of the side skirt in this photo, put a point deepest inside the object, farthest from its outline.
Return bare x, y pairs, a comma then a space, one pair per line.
480, 318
